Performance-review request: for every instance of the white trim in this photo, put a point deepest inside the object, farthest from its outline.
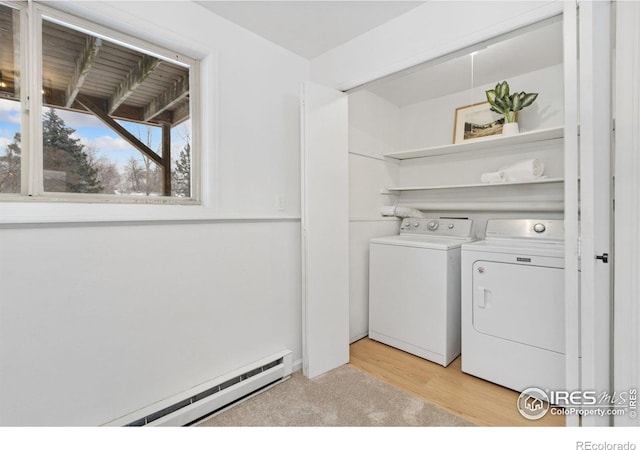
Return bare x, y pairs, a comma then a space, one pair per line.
85, 219
24, 95
627, 214
571, 199
35, 181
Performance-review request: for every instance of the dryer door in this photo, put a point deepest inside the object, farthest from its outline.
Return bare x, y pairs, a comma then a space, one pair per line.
520, 303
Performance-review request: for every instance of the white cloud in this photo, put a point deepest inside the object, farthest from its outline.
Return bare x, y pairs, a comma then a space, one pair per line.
103, 143
3, 144
77, 120
9, 111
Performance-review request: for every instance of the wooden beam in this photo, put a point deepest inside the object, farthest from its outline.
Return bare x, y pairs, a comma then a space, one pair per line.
83, 65
166, 157
178, 91
145, 66
53, 97
122, 132
180, 114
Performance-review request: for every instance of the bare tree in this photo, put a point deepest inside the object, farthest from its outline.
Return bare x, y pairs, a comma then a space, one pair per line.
108, 173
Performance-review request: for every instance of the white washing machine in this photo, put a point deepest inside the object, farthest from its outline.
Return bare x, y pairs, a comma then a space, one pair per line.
414, 287
513, 304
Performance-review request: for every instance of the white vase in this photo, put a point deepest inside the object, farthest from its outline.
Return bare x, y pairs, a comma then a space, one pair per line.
510, 128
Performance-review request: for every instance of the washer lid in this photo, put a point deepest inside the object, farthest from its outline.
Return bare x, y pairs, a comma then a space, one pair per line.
429, 242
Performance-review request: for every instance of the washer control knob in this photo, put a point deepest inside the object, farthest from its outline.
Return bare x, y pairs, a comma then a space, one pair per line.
416, 224
432, 225
450, 226
539, 228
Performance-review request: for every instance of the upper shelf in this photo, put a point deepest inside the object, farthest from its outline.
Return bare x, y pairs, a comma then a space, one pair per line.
481, 144
391, 190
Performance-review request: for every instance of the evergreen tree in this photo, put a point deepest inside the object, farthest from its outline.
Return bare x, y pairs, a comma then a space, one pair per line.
10, 167
181, 175
67, 166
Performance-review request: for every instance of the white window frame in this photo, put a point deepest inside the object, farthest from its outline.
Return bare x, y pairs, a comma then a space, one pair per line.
34, 205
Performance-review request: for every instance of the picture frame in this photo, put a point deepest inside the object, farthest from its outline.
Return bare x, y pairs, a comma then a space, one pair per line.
476, 121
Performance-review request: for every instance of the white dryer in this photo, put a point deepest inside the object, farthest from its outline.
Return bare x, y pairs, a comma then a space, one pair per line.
414, 287
513, 304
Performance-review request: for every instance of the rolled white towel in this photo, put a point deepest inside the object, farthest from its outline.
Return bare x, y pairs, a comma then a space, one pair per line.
528, 169
400, 211
494, 177
388, 211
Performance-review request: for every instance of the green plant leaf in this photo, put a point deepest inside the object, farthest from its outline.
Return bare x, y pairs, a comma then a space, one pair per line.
516, 103
528, 99
509, 102
491, 97
503, 90
502, 104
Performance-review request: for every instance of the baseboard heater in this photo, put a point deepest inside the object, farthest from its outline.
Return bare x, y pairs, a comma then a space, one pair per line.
212, 396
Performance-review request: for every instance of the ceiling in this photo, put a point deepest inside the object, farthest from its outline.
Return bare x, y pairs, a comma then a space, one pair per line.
536, 47
309, 28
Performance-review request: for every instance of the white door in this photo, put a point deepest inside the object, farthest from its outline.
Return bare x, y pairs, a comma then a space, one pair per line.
588, 199
533, 295
595, 198
325, 229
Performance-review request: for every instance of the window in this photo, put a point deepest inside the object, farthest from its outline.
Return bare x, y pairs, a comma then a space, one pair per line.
112, 118
10, 104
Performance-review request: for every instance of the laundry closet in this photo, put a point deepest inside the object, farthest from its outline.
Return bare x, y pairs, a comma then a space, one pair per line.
402, 151
390, 121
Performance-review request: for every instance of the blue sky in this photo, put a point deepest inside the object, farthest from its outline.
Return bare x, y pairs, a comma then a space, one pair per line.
93, 134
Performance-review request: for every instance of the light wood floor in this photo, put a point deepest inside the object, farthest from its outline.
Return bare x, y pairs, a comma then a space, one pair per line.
478, 401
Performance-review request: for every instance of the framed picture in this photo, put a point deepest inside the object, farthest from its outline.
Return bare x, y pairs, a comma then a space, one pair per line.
476, 121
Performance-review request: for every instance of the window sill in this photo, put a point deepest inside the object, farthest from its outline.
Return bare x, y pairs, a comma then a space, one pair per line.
49, 213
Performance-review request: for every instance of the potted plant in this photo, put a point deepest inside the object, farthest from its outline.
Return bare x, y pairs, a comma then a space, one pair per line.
509, 105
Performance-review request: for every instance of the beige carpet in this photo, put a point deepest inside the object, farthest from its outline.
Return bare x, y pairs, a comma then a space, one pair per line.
343, 397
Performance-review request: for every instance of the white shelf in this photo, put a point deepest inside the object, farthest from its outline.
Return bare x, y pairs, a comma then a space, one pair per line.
478, 185
481, 144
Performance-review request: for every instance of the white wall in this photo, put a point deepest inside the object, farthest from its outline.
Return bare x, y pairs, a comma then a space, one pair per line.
430, 123
374, 129
100, 320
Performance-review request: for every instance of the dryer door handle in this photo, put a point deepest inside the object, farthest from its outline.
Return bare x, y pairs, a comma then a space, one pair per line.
482, 297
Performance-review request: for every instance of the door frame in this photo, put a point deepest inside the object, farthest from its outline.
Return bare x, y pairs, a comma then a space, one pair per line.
626, 331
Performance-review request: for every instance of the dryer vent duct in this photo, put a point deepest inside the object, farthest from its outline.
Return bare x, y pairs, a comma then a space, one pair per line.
400, 211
